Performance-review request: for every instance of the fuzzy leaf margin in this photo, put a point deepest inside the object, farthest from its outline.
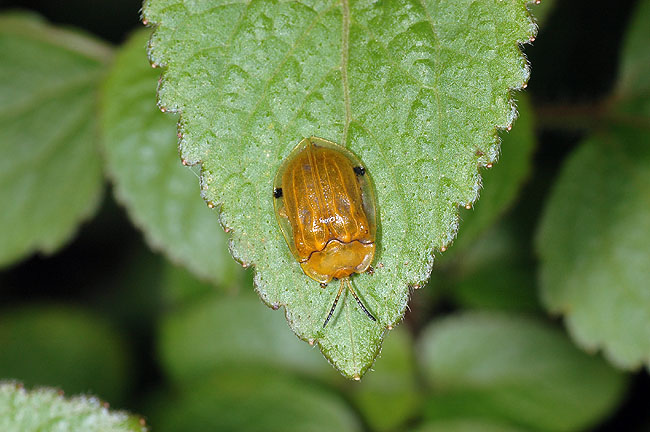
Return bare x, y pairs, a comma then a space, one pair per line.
142, 161
415, 89
47, 409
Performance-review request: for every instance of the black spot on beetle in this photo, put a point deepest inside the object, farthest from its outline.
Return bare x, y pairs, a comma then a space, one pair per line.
277, 193
359, 170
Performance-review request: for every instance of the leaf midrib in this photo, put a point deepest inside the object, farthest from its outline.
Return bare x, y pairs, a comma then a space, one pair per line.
345, 47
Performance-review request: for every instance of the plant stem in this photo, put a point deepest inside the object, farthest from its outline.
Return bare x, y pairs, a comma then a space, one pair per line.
586, 116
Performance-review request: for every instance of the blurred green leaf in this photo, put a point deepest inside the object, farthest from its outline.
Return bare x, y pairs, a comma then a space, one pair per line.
44, 410
501, 185
510, 368
180, 287
217, 332
541, 10
416, 89
161, 195
594, 239
253, 400
389, 396
634, 78
50, 169
132, 294
496, 272
490, 265
594, 244
465, 426
63, 347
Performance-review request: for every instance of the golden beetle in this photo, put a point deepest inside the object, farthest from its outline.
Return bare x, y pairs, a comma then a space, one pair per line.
326, 209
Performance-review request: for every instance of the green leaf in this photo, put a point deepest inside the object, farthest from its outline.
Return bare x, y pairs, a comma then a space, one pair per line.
389, 397
180, 287
50, 169
65, 348
220, 332
634, 79
161, 195
465, 426
594, 244
501, 185
497, 272
510, 368
541, 10
594, 240
415, 89
253, 400
130, 292
47, 410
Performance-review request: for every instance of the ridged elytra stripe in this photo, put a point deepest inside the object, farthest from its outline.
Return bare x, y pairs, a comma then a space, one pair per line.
323, 200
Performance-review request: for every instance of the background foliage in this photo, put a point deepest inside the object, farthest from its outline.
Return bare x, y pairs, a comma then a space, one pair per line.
535, 319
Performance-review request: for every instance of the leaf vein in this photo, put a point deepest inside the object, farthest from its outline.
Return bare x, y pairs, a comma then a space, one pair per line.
284, 60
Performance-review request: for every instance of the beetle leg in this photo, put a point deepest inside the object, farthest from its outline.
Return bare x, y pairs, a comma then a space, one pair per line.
323, 285
336, 300
356, 297
371, 270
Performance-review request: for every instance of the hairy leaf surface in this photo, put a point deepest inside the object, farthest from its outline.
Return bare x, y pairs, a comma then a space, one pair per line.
415, 88
501, 186
47, 409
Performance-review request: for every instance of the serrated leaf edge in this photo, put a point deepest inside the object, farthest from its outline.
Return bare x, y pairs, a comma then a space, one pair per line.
491, 159
88, 400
